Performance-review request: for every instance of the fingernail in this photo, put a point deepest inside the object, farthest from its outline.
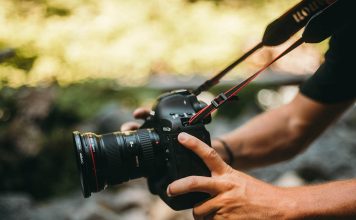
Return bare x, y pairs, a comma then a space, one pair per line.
134, 113
183, 136
168, 192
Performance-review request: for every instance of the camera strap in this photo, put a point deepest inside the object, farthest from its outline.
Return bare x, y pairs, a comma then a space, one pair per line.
340, 13
232, 92
276, 33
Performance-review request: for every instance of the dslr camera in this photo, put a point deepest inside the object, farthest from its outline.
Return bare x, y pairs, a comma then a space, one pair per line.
152, 151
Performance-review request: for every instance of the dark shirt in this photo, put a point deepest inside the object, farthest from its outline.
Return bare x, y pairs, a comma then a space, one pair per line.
335, 80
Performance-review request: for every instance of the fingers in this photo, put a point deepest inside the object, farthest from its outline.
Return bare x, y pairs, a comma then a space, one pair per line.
141, 113
129, 126
193, 184
210, 157
206, 210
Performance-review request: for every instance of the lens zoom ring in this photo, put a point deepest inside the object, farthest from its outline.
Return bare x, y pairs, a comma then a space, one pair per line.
114, 160
147, 150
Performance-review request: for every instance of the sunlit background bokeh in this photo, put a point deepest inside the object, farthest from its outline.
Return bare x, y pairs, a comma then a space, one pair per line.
127, 41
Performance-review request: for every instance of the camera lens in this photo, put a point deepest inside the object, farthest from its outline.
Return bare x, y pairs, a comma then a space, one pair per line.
114, 158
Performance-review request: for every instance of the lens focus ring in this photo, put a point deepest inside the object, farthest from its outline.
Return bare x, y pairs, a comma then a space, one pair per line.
147, 150
114, 158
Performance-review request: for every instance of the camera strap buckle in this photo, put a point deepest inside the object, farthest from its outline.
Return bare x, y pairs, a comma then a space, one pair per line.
219, 100
215, 104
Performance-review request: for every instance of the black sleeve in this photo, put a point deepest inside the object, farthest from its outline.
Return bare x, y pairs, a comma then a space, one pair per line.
335, 80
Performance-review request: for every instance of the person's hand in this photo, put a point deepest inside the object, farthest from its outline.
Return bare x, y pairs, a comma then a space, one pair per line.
139, 113
234, 195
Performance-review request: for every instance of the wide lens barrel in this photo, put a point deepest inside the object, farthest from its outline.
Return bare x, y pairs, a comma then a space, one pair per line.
114, 158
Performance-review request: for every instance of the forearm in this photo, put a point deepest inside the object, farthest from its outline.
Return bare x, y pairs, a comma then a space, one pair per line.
279, 134
336, 200
268, 138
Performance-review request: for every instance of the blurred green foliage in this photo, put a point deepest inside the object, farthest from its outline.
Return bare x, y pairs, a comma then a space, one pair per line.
72, 40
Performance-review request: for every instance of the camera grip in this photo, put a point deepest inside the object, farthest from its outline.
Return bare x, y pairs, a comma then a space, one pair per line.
181, 163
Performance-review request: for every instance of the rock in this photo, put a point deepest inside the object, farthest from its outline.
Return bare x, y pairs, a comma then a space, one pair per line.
90, 210
15, 206
160, 211
289, 179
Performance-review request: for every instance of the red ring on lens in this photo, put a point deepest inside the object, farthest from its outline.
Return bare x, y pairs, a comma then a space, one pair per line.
94, 163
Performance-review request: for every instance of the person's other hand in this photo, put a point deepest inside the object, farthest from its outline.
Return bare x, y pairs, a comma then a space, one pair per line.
139, 113
234, 195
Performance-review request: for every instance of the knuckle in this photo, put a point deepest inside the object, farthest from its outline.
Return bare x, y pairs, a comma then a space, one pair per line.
225, 199
228, 185
197, 214
228, 170
212, 153
123, 127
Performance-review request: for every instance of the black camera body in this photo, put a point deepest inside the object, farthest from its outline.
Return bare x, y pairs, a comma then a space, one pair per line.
171, 115
152, 151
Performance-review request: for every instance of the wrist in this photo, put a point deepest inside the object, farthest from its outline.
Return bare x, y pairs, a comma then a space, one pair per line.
288, 203
298, 203
219, 148
224, 150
